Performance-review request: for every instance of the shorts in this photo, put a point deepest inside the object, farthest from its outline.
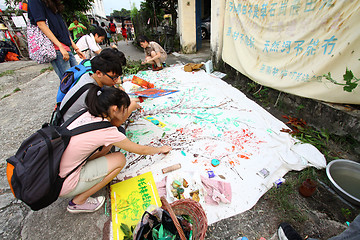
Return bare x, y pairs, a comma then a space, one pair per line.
163, 58
93, 172
113, 35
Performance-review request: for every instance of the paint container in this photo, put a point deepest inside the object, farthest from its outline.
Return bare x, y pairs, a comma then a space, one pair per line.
263, 173
308, 188
211, 174
278, 182
209, 67
215, 162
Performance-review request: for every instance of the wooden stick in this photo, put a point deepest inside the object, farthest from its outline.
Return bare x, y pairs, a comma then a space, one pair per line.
171, 168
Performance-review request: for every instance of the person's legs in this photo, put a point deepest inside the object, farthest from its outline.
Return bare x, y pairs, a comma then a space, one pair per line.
163, 58
147, 59
351, 233
72, 60
115, 162
114, 37
287, 232
157, 61
60, 66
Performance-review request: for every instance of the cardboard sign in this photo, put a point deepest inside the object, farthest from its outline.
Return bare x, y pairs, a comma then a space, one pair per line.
129, 200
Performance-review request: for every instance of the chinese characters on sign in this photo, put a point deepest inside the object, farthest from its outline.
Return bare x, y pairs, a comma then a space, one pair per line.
290, 45
300, 46
279, 8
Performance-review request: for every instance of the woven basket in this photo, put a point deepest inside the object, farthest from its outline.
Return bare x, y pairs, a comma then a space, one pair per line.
191, 208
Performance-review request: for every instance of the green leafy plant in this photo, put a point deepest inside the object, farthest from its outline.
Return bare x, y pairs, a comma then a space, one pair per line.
50, 68
346, 212
7, 73
16, 90
351, 82
5, 96
133, 67
298, 108
307, 134
128, 232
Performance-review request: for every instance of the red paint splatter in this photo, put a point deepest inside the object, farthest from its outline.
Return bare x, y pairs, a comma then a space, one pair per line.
239, 138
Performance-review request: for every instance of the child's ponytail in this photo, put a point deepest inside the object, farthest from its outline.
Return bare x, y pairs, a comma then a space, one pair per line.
100, 99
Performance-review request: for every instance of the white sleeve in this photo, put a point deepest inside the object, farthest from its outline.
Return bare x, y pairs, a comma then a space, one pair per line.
92, 44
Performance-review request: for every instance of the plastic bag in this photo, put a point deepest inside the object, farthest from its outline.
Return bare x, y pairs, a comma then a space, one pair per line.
158, 220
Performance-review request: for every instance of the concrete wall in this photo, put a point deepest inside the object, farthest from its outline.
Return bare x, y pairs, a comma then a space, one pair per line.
187, 25
217, 29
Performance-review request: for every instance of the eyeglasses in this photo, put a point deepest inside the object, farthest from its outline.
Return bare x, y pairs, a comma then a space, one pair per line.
112, 78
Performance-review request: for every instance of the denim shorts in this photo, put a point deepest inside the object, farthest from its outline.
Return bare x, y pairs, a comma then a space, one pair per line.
60, 66
93, 172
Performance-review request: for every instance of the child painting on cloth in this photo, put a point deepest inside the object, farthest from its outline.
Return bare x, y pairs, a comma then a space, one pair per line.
124, 33
107, 69
154, 53
104, 104
89, 43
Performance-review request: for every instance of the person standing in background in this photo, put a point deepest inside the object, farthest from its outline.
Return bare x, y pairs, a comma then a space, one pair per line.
112, 28
56, 31
77, 28
123, 33
108, 36
129, 34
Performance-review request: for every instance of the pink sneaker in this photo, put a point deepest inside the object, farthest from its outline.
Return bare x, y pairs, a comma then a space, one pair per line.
90, 205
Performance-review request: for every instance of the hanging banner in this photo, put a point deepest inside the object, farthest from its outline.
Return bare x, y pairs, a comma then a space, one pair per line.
289, 45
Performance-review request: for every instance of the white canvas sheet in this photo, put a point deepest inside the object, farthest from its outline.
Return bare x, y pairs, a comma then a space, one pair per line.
209, 119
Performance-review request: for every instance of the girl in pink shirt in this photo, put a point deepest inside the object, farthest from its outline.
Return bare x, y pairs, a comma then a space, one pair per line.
104, 104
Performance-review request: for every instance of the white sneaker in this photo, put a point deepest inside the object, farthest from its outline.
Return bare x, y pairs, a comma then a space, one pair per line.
90, 205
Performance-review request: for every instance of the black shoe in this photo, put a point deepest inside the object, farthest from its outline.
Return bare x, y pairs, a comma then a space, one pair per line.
287, 232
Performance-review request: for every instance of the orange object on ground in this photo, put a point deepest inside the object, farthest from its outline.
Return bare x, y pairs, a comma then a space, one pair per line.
25, 7
9, 174
10, 56
141, 82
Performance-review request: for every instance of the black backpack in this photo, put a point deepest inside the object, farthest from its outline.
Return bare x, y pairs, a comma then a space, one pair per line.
33, 172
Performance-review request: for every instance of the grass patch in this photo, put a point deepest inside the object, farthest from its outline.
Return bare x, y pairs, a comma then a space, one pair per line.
7, 73
8, 95
16, 90
282, 199
50, 68
5, 96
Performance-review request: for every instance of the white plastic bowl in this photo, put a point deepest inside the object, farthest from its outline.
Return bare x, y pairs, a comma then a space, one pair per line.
344, 176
